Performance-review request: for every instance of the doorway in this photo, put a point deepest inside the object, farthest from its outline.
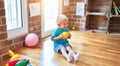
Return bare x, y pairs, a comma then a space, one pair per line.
50, 10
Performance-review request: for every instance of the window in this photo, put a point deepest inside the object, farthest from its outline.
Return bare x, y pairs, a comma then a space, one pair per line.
13, 14
16, 17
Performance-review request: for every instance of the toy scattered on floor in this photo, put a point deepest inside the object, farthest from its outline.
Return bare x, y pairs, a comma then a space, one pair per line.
22, 62
10, 53
65, 35
15, 60
73, 28
31, 40
15, 57
92, 31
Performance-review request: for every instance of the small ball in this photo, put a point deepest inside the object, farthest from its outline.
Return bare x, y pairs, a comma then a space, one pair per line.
65, 35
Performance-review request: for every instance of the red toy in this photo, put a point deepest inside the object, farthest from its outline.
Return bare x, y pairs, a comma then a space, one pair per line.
92, 31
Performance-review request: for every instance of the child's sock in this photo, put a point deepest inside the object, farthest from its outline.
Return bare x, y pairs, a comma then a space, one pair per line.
76, 56
69, 57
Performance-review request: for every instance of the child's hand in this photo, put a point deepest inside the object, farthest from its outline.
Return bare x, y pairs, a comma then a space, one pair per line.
69, 35
60, 36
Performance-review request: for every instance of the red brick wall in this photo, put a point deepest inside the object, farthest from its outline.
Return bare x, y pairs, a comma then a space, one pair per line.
3, 33
34, 24
70, 11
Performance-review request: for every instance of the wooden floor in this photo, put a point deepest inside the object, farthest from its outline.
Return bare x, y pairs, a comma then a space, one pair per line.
96, 49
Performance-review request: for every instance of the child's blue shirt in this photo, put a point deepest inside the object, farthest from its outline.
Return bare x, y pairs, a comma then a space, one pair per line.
56, 33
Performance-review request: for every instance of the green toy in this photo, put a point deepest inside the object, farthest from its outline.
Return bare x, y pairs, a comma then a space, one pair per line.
22, 62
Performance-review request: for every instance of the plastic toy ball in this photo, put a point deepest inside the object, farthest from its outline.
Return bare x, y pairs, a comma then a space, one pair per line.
31, 40
65, 35
73, 28
92, 31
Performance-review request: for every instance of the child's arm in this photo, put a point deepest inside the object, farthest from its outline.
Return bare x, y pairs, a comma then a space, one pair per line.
57, 38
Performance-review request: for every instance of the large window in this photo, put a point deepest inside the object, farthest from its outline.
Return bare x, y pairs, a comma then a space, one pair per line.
13, 14
16, 17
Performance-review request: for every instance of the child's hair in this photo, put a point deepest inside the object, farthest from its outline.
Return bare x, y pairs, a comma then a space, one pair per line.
61, 18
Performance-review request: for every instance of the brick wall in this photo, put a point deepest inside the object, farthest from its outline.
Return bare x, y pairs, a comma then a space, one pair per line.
5, 44
34, 22
70, 11
3, 33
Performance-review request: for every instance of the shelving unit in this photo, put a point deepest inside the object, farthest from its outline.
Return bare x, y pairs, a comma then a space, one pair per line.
98, 14
114, 22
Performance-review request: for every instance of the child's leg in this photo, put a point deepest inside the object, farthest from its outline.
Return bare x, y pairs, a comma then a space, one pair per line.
64, 53
67, 56
76, 56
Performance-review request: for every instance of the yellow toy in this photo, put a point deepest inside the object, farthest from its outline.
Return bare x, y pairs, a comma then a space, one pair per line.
15, 57
10, 53
6, 64
65, 35
73, 28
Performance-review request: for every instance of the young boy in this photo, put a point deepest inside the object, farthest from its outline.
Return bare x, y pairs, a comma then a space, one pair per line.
61, 44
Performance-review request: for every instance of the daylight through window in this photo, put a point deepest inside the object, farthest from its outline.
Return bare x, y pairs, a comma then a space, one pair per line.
13, 14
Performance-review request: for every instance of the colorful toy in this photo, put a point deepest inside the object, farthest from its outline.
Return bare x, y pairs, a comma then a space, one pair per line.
22, 62
65, 35
31, 40
10, 53
13, 62
15, 57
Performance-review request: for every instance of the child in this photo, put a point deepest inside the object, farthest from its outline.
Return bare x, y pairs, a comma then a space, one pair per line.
61, 45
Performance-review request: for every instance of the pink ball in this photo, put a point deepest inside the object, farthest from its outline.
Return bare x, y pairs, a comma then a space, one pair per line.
31, 40
92, 31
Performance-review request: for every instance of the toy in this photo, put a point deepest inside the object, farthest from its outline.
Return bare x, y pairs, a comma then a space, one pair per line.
22, 62
65, 35
10, 53
6, 64
73, 28
31, 40
92, 31
15, 57
13, 62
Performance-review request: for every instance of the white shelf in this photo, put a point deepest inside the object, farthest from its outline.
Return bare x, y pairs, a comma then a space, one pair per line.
96, 13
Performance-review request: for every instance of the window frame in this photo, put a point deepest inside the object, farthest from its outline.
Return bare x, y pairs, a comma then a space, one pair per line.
24, 29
